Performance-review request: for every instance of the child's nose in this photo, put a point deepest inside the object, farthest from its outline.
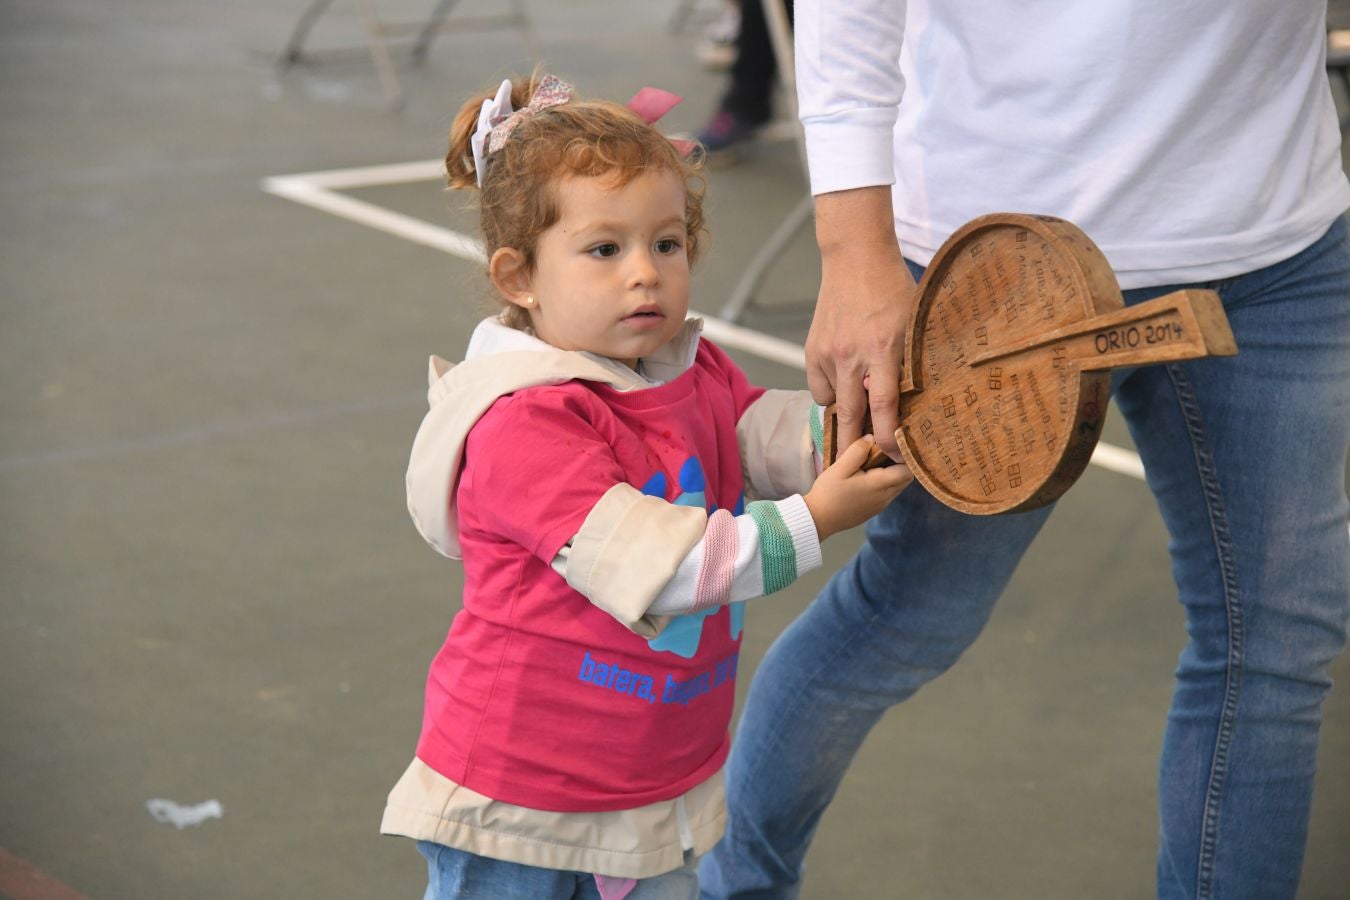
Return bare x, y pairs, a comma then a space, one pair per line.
642, 270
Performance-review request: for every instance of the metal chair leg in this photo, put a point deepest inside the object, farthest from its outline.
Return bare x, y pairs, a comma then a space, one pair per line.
431, 28
778, 242
296, 45
380, 56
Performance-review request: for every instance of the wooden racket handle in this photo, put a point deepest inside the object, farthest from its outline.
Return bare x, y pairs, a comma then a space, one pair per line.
876, 457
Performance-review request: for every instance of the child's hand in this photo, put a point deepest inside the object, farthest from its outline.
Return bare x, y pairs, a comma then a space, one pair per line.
844, 496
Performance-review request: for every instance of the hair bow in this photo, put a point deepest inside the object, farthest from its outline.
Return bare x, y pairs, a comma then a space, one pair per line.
650, 104
496, 118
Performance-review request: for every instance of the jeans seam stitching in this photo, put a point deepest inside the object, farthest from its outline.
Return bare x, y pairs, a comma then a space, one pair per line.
1233, 608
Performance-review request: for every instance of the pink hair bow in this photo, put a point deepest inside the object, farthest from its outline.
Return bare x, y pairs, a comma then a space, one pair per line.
551, 91
650, 104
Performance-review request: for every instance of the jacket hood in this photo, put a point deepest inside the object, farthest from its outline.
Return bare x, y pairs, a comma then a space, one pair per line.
501, 360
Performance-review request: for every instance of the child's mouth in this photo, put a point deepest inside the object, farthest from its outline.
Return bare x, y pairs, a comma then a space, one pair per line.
645, 318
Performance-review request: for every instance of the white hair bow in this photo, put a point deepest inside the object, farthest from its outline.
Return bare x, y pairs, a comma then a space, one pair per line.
496, 109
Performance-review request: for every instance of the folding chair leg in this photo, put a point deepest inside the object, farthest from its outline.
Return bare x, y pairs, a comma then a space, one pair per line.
431, 28
379, 54
1345, 83
296, 45
750, 282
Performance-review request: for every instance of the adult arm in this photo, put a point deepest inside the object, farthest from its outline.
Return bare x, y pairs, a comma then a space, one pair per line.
857, 336
849, 88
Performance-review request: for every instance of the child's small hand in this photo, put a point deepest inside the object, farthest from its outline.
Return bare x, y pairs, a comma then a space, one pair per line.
844, 496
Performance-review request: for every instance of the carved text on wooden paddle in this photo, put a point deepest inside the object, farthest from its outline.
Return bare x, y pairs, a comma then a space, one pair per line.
1017, 323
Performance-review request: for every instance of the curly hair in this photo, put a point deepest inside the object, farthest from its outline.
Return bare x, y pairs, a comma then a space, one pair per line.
589, 138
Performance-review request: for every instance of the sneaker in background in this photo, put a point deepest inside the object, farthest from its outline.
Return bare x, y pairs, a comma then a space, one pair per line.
725, 136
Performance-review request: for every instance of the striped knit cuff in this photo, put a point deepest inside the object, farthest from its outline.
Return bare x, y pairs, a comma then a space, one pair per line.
788, 544
817, 419
805, 539
717, 573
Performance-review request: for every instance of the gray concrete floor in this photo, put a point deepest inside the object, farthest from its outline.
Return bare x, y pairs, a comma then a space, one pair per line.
211, 589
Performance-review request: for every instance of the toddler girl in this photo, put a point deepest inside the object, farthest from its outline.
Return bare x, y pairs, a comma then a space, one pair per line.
616, 488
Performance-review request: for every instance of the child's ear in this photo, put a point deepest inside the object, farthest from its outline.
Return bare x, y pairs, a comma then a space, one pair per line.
511, 276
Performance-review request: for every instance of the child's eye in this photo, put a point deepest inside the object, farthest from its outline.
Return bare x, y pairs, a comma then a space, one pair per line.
667, 245
605, 251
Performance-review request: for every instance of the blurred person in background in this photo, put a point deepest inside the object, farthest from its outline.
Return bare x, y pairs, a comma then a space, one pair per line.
746, 105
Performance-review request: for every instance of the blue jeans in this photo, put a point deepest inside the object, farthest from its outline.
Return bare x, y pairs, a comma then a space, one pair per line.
458, 875
1246, 457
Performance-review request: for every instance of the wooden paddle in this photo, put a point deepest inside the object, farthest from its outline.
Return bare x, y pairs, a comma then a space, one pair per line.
1006, 377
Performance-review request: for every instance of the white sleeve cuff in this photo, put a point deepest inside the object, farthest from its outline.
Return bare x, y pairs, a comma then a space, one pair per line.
854, 154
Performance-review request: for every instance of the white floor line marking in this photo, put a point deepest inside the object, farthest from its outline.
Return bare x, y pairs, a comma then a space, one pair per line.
1118, 459
319, 190
371, 176
765, 346
407, 227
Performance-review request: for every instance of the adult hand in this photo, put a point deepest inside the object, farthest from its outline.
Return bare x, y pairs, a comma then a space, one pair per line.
857, 336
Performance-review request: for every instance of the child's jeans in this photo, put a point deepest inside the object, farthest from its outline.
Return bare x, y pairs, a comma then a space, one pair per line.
459, 875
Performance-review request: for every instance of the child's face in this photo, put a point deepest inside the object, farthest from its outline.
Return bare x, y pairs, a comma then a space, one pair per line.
611, 275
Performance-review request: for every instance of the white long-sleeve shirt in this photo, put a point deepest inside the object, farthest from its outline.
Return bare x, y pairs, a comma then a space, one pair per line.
1191, 139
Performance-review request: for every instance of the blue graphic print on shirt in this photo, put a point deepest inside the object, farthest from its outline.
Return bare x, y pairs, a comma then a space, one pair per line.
681, 636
